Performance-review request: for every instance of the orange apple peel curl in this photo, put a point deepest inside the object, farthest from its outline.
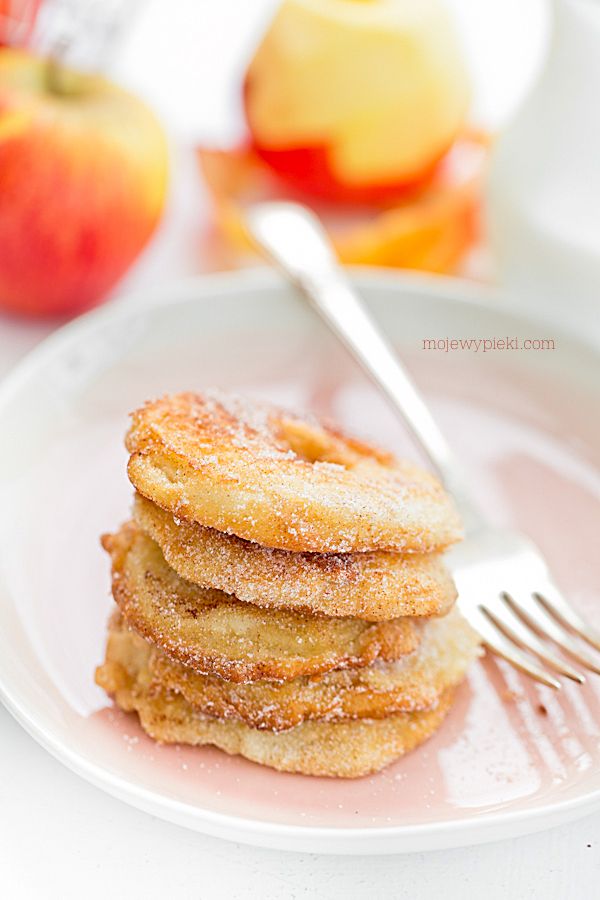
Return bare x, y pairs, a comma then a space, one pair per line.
430, 230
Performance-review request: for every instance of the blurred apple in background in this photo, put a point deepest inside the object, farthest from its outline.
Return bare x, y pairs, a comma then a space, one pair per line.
17, 21
356, 99
358, 107
83, 173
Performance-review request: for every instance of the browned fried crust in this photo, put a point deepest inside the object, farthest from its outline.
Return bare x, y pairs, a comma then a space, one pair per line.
374, 586
414, 683
214, 633
347, 749
283, 481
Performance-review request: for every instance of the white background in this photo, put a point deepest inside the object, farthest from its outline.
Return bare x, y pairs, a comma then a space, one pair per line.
62, 838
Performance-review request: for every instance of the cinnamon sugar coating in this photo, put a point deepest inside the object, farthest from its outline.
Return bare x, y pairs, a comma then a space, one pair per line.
346, 749
415, 682
281, 480
281, 591
214, 633
375, 586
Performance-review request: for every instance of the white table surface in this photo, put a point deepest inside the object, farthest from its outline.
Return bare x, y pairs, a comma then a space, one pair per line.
62, 838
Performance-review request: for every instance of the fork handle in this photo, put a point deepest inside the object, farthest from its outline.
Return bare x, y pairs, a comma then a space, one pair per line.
294, 239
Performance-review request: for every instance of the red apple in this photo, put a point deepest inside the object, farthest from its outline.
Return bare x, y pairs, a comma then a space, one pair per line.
83, 172
17, 21
356, 101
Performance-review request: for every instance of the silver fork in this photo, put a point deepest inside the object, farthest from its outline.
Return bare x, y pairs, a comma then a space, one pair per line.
504, 586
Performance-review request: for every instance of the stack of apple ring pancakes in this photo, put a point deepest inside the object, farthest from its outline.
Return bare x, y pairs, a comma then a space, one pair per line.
280, 590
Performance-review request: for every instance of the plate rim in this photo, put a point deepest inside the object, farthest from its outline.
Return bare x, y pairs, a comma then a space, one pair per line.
302, 838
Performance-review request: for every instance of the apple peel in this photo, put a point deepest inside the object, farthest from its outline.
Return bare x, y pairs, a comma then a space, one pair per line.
430, 230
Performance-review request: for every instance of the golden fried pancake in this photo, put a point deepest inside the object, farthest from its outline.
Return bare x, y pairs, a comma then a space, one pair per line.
345, 749
215, 633
414, 683
374, 586
283, 481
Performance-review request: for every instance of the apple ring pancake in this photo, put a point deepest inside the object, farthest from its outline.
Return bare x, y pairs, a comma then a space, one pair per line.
215, 633
413, 683
347, 749
283, 481
375, 586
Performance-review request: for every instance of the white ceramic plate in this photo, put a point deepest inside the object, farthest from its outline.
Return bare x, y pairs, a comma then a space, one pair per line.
511, 757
